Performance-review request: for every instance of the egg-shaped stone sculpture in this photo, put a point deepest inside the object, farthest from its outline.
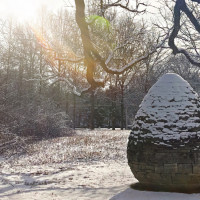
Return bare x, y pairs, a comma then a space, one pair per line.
164, 145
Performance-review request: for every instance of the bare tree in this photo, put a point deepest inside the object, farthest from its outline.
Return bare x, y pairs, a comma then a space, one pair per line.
91, 55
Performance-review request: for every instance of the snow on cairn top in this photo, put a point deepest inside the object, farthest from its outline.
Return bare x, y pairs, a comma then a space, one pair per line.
168, 113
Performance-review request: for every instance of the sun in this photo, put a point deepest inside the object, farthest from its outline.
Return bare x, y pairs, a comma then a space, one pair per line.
23, 10
27, 10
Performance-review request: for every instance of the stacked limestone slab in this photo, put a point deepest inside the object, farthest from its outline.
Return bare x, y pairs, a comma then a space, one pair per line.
164, 145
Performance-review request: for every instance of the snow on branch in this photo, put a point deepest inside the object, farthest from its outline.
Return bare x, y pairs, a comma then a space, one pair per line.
110, 57
130, 64
69, 83
74, 89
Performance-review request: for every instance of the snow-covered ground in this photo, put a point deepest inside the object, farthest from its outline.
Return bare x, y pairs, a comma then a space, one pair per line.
89, 165
130, 194
85, 182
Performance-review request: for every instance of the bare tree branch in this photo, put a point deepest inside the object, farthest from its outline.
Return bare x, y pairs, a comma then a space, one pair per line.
198, 1
92, 56
126, 6
182, 6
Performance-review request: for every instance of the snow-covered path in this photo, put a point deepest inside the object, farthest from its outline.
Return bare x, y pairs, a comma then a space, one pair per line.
130, 194
84, 182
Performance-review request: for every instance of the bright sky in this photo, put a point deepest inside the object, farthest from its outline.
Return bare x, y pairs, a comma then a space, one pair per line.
26, 10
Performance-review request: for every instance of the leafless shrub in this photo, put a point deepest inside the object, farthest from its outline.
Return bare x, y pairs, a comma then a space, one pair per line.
11, 144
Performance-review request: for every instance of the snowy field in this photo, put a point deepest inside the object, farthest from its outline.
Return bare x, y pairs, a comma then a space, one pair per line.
88, 165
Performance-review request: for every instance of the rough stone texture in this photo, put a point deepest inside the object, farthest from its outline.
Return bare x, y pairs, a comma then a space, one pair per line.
163, 148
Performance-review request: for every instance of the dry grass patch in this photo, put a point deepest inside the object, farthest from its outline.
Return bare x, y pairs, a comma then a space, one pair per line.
84, 146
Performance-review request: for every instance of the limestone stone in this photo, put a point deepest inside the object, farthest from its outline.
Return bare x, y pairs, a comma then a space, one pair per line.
185, 168
170, 168
164, 144
196, 168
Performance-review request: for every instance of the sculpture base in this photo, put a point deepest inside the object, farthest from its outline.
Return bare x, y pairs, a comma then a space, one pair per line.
165, 167
189, 189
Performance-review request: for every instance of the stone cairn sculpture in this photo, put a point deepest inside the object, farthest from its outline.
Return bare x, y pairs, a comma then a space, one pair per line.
164, 145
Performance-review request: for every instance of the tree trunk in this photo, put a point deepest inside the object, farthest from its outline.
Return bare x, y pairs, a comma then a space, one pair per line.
92, 115
20, 84
113, 115
126, 118
74, 111
8, 59
122, 107
67, 103
114, 95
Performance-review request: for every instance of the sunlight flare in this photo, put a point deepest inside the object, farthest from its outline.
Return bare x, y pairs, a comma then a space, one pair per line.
26, 10
23, 10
